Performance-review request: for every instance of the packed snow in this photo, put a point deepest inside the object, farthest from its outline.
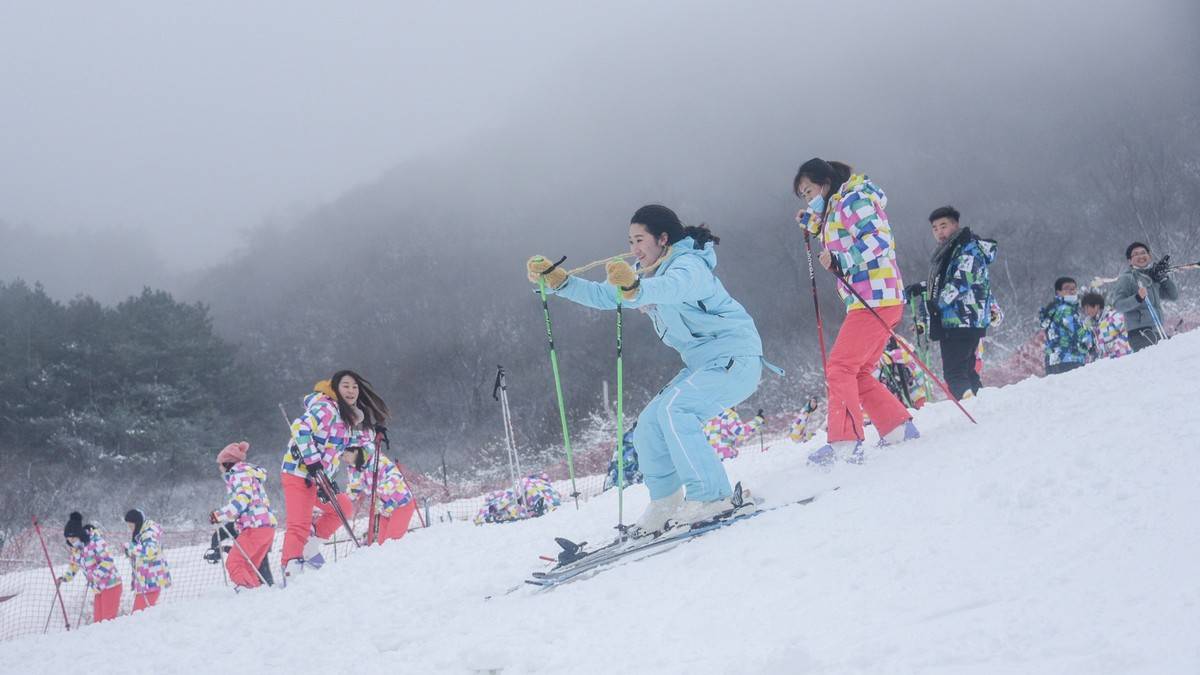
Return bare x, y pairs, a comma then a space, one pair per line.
1057, 536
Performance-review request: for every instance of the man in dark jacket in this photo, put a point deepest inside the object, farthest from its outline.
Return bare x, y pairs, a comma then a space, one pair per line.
1139, 293
958, 296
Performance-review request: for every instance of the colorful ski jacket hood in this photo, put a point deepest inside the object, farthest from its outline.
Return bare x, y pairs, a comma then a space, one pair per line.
689, 306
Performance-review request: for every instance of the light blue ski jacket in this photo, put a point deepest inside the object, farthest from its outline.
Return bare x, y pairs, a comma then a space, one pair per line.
691, 310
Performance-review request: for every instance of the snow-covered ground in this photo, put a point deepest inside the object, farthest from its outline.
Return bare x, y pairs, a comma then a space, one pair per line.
1057, 536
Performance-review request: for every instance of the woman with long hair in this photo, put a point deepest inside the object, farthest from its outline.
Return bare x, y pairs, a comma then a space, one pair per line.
341, 412
846, 211
673, 283
150, 571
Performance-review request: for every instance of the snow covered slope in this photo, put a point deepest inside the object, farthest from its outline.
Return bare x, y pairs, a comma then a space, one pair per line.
1058, 536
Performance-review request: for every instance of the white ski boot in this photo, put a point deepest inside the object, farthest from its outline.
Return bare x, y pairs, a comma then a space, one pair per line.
313, 557
654, 518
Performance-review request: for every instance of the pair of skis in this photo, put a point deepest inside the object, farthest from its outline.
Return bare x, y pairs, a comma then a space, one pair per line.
576, 561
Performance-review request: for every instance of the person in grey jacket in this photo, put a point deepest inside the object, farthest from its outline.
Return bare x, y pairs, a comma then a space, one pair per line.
1139, 293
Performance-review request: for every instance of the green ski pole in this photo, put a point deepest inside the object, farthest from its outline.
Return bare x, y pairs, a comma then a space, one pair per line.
620, 425
562, 409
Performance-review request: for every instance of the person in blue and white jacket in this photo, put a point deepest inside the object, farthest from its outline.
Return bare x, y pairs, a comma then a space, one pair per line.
673, 283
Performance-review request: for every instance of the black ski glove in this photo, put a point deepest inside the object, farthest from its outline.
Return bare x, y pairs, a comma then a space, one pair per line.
1158, 271
759, 415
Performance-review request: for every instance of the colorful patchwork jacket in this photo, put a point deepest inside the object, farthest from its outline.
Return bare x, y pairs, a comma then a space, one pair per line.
1109, 337
150, 571
1068, 340
964, 292
857, 234
393, 492
320, 435
248, 505
502, 506
95, 561
727, 430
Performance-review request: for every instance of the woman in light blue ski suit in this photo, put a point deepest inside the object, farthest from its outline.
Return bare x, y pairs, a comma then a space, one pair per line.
722, 355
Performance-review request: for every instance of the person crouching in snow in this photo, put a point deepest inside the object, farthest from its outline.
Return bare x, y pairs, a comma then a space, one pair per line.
394, 501
342, 412
144, 550
847, 212
726, 431
1109, 339
249, 509
89, 552
722, 354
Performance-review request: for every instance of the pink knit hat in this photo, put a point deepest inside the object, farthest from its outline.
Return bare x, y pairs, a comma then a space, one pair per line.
234, 452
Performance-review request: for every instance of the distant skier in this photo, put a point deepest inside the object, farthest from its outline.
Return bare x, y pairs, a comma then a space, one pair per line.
847, 212
898, 371
1139, 293
538, 497
1109, 338
727, 431
804, 427
1068, 341
960, 298
722, 354
633, 475
151, 574
395, 504
342, 412
90, 553
249, 509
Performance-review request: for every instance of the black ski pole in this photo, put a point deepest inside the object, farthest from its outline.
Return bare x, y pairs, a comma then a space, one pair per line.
327, 486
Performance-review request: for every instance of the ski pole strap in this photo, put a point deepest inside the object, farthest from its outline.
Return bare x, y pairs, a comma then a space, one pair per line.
551, 268
773, 368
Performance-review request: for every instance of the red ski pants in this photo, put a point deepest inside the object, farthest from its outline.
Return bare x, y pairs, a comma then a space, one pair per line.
395, 526
298, 501
143, 600
850, 376
106, 604
254, 542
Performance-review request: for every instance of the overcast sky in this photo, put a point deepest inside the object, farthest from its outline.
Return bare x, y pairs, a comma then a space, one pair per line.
193, 122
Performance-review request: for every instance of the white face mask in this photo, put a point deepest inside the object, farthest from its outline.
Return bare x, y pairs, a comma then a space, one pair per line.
1071, 298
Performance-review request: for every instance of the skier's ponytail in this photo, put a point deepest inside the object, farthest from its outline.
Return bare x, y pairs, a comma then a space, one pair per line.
658, 220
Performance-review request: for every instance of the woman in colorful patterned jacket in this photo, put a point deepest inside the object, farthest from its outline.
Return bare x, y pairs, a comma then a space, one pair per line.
847, 212
249, 509
144, 550
726, 431
342, 411
394, 502
1109, 339
89, 552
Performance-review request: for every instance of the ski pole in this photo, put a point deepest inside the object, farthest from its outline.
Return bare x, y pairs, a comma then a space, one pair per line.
250, 561
845, 284
562, 410
220, 555
620, 423
812, 277
500, 394
1158, 327
327, 485
381, 443
53, 577
50, 615
83, 603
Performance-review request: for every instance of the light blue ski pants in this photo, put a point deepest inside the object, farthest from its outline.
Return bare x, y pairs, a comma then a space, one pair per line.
669, 437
